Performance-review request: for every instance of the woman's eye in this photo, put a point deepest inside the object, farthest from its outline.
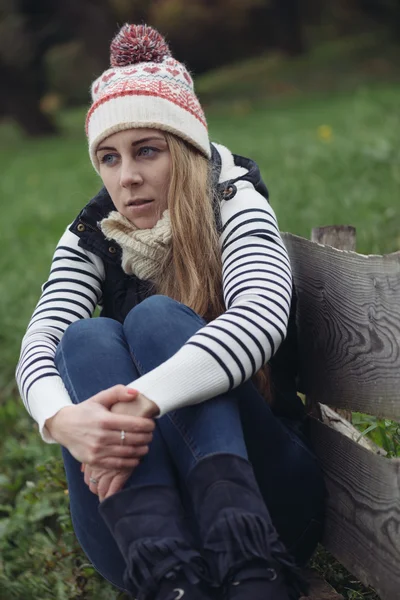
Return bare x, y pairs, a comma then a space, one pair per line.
108, 159
147, 151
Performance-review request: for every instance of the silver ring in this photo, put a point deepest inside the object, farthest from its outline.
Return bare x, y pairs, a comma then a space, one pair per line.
93, 480
122, 437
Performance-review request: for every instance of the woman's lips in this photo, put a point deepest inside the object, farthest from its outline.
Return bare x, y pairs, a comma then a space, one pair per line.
139, 202
139, 206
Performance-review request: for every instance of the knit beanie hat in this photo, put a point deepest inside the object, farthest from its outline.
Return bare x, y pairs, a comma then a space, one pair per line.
145, 87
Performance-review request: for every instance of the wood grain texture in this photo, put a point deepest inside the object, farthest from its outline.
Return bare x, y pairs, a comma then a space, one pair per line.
342, 237
363, 509
349, 327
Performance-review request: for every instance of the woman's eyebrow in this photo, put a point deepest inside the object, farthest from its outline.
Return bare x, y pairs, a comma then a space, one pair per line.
104, 148
136, 143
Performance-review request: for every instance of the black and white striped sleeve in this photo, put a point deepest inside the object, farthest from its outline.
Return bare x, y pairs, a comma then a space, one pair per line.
257, 284
71, 292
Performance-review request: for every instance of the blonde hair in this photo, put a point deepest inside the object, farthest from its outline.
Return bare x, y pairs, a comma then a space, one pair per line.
192, 270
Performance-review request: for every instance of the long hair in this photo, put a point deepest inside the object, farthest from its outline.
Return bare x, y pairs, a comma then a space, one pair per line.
192, 269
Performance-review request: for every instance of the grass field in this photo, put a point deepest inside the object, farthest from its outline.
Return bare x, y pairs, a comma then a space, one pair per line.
331, 160
326, 158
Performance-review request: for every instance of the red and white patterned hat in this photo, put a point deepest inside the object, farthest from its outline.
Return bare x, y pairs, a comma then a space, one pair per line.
145, 87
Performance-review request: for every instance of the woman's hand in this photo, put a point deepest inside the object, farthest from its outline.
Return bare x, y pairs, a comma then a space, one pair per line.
108, 481
92, 433
141, 406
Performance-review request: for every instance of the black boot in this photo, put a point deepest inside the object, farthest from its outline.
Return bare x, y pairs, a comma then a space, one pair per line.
150, 528
258, 581
239, 539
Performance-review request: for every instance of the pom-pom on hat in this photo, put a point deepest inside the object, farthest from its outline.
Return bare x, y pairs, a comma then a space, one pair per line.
145, 87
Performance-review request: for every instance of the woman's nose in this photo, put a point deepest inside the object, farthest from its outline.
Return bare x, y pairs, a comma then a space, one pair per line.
130, 175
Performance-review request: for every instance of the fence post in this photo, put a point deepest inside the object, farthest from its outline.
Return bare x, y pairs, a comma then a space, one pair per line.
342, 237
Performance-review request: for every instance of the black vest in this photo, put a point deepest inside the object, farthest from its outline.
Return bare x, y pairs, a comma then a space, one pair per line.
122, 292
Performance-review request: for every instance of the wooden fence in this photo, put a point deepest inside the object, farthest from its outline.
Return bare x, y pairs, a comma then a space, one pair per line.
349, 347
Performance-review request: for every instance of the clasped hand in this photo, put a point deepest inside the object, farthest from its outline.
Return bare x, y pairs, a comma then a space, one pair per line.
91, 431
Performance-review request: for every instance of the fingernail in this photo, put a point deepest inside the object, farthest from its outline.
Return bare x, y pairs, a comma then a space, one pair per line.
132, 392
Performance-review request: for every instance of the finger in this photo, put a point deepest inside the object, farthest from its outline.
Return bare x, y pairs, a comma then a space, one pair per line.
113, 489
99, 450
124, 451
110, 479
117, 393
89, 475
93, 488
103, 486
89, 479
128, 423
110, 462
92, 475
131, 439
110, 439
115, 486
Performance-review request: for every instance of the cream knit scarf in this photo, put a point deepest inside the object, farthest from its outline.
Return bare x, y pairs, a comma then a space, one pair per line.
142, 249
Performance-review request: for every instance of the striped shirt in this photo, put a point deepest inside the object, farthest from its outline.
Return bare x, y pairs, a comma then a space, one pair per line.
257, 286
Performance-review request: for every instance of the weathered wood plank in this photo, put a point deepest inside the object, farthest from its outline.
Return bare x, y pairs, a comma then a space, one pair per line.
349, 327
342, 237
363, 509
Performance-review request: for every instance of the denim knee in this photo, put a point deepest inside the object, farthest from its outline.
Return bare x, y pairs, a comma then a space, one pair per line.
151, 316
156, 308
88, 333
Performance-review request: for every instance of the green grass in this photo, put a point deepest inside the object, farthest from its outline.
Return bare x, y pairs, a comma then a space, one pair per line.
343, 582
383, 432
352, 178
345, 173
329, 67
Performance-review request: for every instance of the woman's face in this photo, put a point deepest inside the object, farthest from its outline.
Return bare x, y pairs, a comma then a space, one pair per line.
135, 166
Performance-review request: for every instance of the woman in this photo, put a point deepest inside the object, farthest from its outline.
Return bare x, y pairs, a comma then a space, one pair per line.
154, 398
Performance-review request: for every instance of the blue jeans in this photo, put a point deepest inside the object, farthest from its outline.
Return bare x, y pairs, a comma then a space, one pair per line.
95, 354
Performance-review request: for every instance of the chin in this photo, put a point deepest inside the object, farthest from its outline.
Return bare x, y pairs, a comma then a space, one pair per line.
144, 222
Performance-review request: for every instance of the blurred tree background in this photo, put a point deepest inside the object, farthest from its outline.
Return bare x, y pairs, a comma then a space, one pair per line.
310, 89
50, 51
